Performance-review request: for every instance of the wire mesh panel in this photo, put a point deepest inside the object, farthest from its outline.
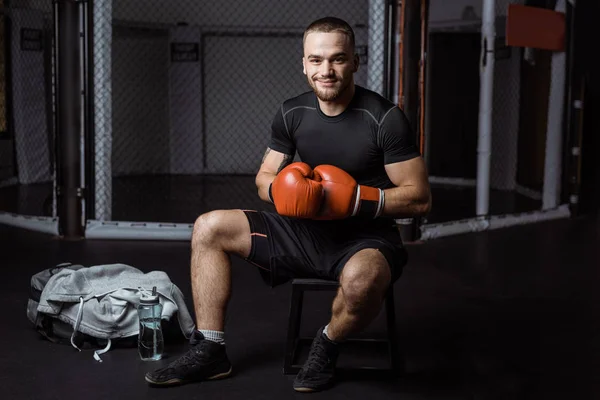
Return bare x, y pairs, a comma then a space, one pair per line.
237, 127
185, 93
26, 118
520, 113
510, 116
505, 122
6, 153
140, 89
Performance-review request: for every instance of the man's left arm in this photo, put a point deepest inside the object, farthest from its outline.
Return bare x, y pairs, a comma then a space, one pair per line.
412, 195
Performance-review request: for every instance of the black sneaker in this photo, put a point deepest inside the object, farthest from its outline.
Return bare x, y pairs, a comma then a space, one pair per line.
206, 360
317, 372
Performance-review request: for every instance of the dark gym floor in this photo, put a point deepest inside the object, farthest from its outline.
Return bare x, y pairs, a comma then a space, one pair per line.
504, 314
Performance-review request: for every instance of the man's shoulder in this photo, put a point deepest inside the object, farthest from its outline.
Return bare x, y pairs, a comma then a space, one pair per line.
305, 100
373, 103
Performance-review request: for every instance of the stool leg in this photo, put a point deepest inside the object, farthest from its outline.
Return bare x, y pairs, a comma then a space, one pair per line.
391, 330
294, 319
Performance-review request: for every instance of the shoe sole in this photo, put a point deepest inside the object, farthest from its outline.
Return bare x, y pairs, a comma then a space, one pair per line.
305, 390
178, 381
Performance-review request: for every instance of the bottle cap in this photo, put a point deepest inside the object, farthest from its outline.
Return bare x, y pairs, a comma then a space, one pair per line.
148, 298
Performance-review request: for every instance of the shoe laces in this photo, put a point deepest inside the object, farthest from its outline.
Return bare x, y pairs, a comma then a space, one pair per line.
318, 358
191, 358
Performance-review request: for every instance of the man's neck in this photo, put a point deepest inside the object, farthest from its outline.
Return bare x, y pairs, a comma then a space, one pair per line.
335, 108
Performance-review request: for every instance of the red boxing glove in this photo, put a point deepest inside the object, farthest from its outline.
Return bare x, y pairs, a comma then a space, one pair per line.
344, 197
295, 193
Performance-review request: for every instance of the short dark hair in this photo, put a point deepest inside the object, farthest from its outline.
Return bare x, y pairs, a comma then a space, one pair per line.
330, 24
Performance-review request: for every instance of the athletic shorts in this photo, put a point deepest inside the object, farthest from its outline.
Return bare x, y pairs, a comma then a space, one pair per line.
284, 248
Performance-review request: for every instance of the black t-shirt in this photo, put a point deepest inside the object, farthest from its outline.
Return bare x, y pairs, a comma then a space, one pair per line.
369, 134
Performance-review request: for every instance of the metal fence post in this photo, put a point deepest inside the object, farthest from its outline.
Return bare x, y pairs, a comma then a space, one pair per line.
70, 92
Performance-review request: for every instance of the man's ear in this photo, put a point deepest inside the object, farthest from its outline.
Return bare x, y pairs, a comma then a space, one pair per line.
356, 62
303, 67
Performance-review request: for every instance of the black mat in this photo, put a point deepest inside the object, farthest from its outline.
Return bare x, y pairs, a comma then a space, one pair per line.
506, 314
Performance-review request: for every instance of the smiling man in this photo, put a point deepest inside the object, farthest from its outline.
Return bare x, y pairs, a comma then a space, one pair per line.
329, 63
359, 170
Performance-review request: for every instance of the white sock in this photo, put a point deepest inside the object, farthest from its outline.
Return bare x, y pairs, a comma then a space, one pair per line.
214, 336
325, 333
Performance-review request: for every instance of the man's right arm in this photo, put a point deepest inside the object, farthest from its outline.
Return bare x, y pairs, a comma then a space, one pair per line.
272, 162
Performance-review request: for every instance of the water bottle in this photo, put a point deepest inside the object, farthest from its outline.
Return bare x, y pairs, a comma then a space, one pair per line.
150, 338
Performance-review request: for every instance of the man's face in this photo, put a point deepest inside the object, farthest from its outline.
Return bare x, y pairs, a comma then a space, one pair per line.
329, 64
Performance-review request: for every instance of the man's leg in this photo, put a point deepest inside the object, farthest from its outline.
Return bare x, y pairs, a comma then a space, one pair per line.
216, 235
364, 281
363, 284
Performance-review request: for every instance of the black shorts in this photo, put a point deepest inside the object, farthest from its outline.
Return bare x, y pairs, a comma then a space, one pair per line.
284, 248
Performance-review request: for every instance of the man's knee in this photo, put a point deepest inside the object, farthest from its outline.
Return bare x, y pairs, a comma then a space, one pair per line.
228, 230
365, 277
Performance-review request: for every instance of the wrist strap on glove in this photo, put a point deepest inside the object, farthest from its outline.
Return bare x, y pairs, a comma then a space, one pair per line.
369, 202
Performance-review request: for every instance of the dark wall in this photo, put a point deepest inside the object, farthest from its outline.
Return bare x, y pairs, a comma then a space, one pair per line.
453, 59
586, 67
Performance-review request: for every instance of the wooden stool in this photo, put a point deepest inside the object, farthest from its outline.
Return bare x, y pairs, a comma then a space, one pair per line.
294, 341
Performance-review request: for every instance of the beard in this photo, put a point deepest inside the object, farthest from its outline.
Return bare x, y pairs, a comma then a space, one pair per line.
329, 94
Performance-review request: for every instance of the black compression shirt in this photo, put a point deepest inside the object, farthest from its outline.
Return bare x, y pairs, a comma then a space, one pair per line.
369, 134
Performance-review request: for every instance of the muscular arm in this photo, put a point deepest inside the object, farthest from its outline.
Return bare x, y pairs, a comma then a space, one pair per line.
272, 162
412, 196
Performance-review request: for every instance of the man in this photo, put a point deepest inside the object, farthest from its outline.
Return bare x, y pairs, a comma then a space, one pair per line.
335, 215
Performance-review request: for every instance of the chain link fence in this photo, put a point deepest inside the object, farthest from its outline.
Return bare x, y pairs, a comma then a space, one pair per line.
6, 161
185, 93
510, 116
26, 115
520, 114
